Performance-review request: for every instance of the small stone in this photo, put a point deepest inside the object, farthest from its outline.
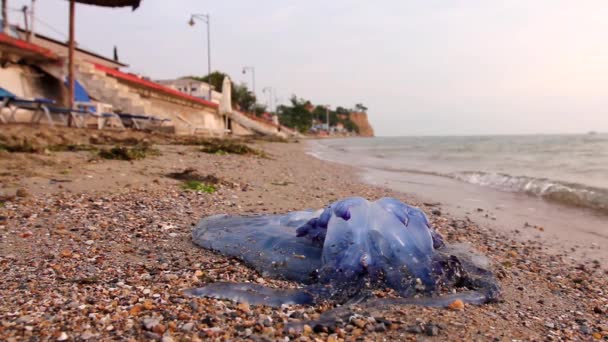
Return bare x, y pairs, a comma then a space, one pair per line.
148, 305
159, 329
585, 329
597, 336
22, 192
332, 338
135, 310
187, 327
150, 323
171, 276
243, 307
152, 336
167, 338
457, 305
358, 322
431, 330
414, 329
89, 242
380, 327
86, 335
62, 337
306, 330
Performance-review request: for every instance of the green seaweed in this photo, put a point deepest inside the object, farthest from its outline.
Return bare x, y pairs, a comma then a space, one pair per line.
193, 185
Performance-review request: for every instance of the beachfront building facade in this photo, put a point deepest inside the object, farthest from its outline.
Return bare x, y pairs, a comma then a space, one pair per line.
192, 87
35, 67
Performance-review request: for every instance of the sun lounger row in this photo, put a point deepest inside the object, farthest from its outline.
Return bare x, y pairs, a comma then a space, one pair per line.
48, 110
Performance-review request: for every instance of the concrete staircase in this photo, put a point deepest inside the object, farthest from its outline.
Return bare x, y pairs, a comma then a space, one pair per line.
256, 126
107, 89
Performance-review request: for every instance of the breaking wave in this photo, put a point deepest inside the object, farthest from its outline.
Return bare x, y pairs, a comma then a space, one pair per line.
561, 192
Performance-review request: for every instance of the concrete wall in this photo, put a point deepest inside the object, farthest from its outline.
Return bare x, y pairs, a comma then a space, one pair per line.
198, 117
185, 115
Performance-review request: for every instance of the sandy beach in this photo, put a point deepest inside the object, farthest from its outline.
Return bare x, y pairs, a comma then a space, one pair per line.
96, 249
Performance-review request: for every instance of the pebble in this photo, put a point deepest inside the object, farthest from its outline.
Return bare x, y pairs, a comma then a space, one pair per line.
22, 192
63, 336
306, 330
414, 329
358, 322
150, 322
187, 327
380, 327
457, 305
86, 335
431, 330
167, 338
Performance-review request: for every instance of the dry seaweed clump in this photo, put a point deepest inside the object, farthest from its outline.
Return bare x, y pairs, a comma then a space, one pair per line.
22, 146
222, 147
71, 147
128, 153
190, 174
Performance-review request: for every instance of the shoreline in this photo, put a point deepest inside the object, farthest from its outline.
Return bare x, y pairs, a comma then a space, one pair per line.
573, 232
104, 250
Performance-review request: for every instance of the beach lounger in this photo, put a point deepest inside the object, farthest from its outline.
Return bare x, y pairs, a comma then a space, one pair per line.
139, 121
101, 111
41, 108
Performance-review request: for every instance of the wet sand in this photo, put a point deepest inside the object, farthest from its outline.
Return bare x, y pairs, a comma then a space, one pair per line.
95, 249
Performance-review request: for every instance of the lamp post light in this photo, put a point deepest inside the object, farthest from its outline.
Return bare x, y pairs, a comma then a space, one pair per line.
206, 18
252, 69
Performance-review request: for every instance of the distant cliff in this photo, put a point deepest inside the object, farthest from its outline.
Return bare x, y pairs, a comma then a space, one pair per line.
360, 119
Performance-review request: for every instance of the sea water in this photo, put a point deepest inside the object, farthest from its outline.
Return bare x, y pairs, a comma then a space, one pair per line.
559, 182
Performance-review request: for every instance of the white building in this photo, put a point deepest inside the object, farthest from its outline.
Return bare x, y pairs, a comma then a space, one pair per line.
192, 87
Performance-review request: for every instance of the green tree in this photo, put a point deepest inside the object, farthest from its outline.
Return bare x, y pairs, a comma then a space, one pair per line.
216, 79
259, 109
243, 98
295, 115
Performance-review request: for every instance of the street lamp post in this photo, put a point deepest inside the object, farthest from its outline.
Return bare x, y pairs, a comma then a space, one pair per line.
252, 69
327, 117
206, 18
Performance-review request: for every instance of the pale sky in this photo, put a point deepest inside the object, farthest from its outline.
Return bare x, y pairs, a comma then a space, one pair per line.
426, 67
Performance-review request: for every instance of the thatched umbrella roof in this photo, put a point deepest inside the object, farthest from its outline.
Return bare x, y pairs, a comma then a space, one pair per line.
112, 3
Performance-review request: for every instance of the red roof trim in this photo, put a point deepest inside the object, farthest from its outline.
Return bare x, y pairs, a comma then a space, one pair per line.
22, 44
152, 85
